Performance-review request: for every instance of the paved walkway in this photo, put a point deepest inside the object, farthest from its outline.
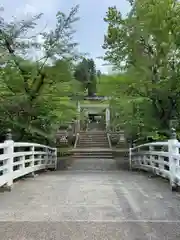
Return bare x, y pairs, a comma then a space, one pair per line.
82, 204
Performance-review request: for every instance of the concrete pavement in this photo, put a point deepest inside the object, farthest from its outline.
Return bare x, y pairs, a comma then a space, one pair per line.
90, 203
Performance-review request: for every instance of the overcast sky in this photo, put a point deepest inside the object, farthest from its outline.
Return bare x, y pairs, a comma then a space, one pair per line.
90, 29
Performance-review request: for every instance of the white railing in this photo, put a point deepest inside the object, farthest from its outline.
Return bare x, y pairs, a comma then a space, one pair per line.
20, 158
161, 158
109, 140
76, 140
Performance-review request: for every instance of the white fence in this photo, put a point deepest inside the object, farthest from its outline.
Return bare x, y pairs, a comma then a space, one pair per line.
19, 158
162, 158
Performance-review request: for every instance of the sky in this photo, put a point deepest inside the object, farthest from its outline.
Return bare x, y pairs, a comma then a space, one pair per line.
90, 29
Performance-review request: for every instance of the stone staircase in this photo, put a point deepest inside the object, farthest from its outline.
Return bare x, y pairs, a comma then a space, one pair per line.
91, 139
92, 144
80, 153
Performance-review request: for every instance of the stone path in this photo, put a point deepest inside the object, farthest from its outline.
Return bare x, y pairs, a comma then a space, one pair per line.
90, 203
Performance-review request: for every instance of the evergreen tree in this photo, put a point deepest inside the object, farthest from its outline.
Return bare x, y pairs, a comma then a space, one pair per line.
85, 73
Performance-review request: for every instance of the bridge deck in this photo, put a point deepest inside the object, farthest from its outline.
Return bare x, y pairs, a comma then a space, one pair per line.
90, 204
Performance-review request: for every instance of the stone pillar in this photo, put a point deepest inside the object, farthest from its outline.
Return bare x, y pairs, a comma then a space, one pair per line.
107, 117
78, 119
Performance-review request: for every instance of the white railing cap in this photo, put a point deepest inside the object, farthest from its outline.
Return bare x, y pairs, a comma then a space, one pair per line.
151, 144
177, 145
26, 144
4, 145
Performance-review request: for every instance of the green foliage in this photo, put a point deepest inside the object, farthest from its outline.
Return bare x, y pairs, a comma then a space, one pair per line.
85, 72
35, 95
145, 45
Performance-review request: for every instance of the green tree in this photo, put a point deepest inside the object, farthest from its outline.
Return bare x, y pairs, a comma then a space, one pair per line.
33, 94
146, 45
85, 72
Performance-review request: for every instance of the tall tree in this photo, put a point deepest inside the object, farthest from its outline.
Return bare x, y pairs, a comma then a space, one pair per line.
85, 73
146, 45
33, 89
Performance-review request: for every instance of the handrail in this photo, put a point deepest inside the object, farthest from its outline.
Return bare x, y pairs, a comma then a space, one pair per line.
109, 140
76, 141
164, 162
27, 144
151, 144
16, 161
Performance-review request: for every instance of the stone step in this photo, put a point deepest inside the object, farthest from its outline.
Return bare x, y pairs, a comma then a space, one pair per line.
93, 142
92, 156
94, 138
94, 132
95, 149
93, 135
92, 145
93, 153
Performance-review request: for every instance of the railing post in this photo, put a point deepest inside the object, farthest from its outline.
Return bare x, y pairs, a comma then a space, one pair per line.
32, 174
161, 162
130, 159
47, 157
55, 158
130, 156
151, 158
173, 162
9, 150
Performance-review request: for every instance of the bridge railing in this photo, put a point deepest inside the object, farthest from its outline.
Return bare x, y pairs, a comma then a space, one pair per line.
20, 158
161, 158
